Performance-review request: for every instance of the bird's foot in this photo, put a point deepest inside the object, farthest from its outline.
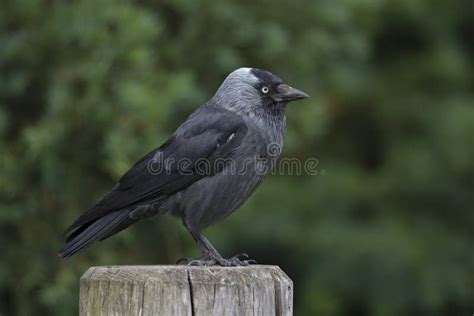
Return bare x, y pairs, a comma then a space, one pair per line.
237, 260
199, 262
242, 259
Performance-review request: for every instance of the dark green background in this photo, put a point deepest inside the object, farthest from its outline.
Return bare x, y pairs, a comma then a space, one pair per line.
385, 228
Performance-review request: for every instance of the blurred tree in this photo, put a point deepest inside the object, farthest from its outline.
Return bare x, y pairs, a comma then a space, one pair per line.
385, 228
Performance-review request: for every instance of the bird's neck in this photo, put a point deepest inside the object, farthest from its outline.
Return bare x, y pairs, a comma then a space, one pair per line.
272, 116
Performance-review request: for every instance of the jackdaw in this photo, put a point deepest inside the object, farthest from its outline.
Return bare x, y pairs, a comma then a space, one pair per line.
206, 170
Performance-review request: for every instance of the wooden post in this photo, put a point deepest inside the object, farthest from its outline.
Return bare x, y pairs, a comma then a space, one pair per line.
183, 290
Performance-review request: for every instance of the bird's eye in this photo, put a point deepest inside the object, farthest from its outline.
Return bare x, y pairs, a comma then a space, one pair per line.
265, 90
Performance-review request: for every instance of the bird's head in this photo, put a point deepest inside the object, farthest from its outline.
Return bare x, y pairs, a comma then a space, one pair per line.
253, 90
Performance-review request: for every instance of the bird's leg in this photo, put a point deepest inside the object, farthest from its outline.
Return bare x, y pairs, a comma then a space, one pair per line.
210, 255
206, 247
234, 261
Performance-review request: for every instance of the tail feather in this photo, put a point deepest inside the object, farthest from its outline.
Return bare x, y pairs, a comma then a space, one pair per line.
97, 230
119, 228
77, 232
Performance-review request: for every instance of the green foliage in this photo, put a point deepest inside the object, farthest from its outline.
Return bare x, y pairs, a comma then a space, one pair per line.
385, 228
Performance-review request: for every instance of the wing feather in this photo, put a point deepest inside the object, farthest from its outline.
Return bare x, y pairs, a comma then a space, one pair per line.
201, 136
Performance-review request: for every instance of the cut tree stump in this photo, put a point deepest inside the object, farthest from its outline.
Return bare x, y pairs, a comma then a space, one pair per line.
183, 290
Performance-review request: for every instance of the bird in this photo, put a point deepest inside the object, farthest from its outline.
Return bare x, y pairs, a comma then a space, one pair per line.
205, 171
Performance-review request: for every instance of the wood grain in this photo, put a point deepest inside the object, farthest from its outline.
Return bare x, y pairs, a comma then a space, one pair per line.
183, 290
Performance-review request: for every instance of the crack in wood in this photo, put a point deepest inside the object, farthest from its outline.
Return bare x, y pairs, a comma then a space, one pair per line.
184, 291
191, 296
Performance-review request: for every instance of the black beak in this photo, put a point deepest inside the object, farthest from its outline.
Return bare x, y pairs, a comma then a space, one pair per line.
285, 93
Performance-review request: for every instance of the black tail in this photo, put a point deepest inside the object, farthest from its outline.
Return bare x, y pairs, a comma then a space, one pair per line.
99, 229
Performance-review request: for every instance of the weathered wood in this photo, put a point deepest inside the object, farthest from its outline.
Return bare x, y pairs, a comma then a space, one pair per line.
183, 290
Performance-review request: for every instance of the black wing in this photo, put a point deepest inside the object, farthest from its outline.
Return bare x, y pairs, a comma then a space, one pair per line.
204, 135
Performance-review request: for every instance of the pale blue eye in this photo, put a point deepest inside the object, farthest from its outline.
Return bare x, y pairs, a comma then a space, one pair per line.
265, 90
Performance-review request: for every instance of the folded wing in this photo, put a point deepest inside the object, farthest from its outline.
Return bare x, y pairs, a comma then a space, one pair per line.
172, 167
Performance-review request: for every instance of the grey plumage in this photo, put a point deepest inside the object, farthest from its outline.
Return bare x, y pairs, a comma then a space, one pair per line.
224, 145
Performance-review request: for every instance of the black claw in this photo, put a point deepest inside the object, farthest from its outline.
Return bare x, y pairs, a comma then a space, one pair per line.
242, 259
201, 262
195, 262
183, 259
242, 255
